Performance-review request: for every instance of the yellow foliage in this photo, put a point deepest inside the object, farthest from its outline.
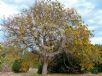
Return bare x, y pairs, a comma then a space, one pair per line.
24, 66
78, 44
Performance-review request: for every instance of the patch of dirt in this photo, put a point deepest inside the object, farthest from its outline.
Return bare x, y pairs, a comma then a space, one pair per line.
31, 72
76, 74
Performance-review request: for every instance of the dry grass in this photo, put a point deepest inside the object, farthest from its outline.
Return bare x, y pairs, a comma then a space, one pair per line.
32, 72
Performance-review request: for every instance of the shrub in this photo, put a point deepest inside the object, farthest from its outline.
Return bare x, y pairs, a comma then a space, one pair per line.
39, 69
24, 66
20, 65
63, 64
97, 69
16, 66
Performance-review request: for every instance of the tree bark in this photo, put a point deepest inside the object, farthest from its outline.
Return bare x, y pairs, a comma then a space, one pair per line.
45, 65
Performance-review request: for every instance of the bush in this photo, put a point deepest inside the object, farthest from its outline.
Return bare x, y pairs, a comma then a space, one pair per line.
16, 66
63, 64
40, 69
24, 66
97, 69
20, 65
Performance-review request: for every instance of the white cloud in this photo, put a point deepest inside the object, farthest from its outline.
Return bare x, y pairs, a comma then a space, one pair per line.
98, 17
90, 21
97, 40
95, 20
19, 1
0, 27
6, 10
69, 3
92, 27
83, 6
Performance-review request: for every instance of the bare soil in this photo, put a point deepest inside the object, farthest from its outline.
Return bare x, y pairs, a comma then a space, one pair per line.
32, 72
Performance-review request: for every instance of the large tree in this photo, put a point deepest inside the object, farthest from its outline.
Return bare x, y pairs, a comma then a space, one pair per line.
48, 29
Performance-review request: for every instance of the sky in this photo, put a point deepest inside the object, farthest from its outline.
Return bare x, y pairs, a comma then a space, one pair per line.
90, 10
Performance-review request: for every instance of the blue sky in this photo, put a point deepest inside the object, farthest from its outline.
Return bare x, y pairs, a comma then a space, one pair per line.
90, 10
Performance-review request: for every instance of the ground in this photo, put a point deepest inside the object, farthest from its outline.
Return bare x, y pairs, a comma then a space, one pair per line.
32, 72
28, 74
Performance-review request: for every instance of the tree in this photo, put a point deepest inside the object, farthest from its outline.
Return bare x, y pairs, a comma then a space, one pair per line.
48, 29
81, 47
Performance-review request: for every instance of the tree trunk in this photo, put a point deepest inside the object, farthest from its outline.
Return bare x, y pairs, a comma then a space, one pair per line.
45, 65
